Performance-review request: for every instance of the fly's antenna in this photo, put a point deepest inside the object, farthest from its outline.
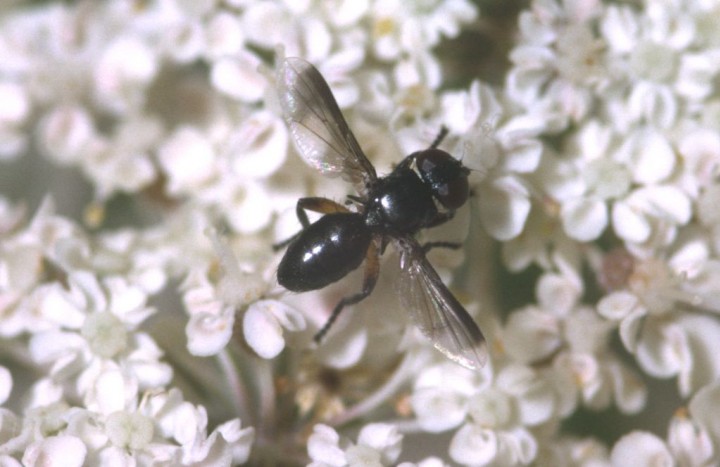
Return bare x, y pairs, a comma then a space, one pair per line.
440, 137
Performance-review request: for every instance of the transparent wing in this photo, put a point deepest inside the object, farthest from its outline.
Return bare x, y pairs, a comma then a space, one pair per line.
436, 311
319, 129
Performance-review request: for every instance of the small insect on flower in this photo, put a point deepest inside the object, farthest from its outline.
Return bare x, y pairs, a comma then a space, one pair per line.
393, 208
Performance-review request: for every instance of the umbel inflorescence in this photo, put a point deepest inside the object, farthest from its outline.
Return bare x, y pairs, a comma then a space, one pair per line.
148, 170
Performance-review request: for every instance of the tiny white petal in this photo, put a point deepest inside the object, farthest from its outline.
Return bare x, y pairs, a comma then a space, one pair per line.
560, 178
363, 456
250, 208
185, 41
521, 445
440, 397
629, 223
6, 384
237, 76
208, 333
702, 366
124, 69
65, 133
535, 399
630, 328
629, 390
323, 446
263, 325
640, 448
473, 445
558, 293
492, 409
703, 408
584, 219
110, 391
105, 333
504, 206
695, 75
267, 24
531, 335
689, 443
384, 438
55, 451
241, 439
461, 109
16, 104
188, 159
343, 349
522, 156
129, 430
224, 35
186, 423
46, 347
438, 410
347, 12
667, 203
259, 146
663, 348
617, 305
620, 28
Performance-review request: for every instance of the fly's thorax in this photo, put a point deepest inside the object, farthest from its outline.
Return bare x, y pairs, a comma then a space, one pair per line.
400, 202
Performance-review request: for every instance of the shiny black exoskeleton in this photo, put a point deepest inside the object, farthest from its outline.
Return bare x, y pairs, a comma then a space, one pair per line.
400, 203
423, 191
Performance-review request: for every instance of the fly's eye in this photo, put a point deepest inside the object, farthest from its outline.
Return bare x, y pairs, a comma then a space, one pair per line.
445, 175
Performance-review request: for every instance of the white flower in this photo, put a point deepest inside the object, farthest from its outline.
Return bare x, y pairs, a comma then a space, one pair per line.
263, 326
378, 444
54, 451
440, 396
188, 160
122, 73
640, 448
689, 442
238, 77
16, 109
474, 445
186, 424
398, 27
211, 321
6, 383
666, 340
558, 62
103, 314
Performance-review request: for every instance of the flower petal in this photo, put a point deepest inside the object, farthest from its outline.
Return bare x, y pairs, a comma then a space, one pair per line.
504, 206
640, 448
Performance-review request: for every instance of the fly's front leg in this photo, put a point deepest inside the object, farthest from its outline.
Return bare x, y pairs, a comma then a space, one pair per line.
372, 271
314, 204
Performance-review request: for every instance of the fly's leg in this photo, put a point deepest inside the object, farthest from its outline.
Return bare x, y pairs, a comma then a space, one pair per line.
440, 137
372, 271
314, 204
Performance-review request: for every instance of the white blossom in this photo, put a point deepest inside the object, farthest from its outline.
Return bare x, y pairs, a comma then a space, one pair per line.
148, 177
378, 444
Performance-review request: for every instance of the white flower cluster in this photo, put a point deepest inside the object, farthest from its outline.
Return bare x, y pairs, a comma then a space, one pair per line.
146, 331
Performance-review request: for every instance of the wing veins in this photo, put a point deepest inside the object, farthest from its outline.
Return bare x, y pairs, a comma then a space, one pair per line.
436, 312
318, 127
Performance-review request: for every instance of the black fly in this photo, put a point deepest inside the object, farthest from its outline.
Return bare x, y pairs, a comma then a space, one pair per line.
392, 208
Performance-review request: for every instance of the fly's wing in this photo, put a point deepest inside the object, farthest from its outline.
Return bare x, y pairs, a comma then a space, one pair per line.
319, 129
436, 311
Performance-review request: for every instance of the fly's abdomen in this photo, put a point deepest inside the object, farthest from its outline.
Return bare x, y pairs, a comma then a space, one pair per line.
325, 252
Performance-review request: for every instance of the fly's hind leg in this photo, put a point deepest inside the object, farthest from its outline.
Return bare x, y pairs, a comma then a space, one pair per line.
314, 204
372, 270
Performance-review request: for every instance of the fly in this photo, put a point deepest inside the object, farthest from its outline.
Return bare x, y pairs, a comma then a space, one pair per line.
388, 209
